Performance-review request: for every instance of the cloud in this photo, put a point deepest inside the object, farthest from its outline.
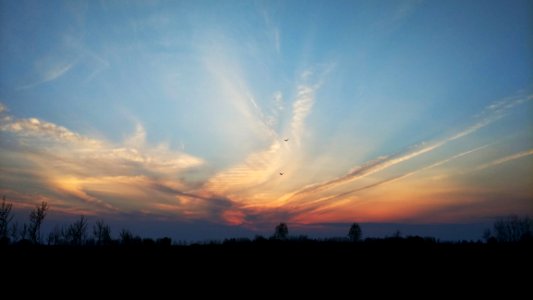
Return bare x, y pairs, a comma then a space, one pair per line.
277, 40
398, 177
396, 17
33, 127
301, 109
489, 115
366, 169
68, 54
101, 174
505, 159
245, 181
257, 169
233, 88
50, 73
278, 100
38, 133
27, 201
272, 30
96, 64
56, 72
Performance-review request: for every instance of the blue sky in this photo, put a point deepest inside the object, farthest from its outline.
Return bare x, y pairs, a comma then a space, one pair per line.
401, 112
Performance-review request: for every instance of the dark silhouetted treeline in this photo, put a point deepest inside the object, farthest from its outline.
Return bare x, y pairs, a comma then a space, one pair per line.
412, 259
79, 250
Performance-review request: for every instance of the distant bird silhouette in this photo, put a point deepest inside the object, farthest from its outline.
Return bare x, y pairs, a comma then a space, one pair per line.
286, 140
281, 173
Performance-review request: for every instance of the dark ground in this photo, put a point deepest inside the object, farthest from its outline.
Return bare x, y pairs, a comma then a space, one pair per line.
403, 265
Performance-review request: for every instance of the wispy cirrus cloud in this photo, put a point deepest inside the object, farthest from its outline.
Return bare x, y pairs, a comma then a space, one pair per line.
489, 115
49, 72
299, 208
69, 54
301, 109
233, 89
504, 159
272, 31
249, 180
405, 175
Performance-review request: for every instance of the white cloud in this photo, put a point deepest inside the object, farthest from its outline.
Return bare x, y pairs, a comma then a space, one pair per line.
33, 127
57, 71
251, 179
233, 89
301, 109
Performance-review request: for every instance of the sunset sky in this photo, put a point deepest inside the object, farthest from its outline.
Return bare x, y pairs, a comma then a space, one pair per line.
171, 117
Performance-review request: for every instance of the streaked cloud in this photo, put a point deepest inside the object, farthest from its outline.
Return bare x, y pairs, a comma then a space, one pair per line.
50, 73
301, 108
247, 181
232, 88
278, 100
505, 159
301, 208
405, 175
277, 40
273, 31
257, 169
490, 114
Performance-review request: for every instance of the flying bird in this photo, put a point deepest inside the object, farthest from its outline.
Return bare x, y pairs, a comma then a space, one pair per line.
281, 173
286, 140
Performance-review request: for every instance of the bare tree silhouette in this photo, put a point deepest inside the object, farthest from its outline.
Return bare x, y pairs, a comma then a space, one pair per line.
77, 232
5, 219
56, 236
102, 233
23, 234
355, 233
14, 232
512, 229
128, 238
36, 219
281, 232
487, 235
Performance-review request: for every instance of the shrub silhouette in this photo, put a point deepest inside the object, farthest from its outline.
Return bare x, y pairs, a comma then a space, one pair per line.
127, 238
5, 219
36, 219
511, 229
76, 233
56, 236
102, 233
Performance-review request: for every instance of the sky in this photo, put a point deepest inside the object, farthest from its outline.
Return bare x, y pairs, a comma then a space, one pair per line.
213, 119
